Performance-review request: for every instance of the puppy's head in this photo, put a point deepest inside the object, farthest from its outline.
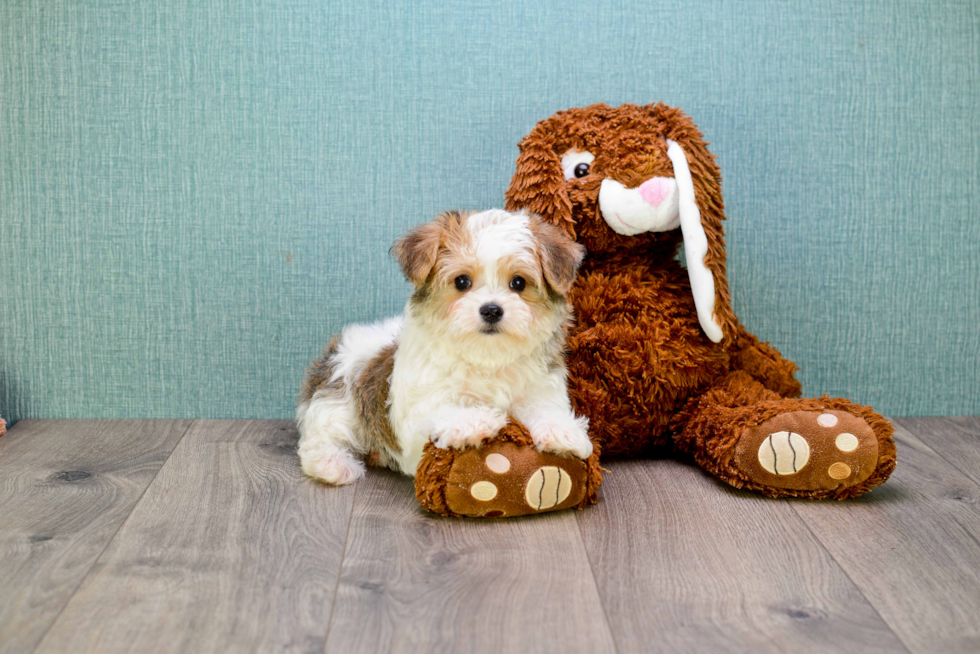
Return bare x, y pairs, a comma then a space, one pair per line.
491, 284
632, 178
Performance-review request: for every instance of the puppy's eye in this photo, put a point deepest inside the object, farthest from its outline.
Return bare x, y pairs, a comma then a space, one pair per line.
582, 170
462, 283
518, 283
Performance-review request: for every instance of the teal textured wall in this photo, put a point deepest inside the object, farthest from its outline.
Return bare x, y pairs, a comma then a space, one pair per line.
195, 194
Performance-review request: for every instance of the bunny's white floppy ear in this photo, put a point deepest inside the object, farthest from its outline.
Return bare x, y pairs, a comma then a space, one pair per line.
695, 243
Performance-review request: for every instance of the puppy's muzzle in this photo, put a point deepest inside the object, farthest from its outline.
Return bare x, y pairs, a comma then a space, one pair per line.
491, 313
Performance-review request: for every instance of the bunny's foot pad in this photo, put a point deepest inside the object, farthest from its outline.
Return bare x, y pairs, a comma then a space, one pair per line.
809, 451
504, 477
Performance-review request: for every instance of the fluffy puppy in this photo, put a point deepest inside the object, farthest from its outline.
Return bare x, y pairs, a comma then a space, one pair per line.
482, 338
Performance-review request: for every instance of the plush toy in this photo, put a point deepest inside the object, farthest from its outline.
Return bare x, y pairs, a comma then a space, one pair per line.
657, 357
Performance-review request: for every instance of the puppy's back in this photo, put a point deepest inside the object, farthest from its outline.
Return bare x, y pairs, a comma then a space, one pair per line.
345, 394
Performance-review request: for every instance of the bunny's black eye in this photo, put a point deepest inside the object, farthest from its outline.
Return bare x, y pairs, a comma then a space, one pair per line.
462, 283
582, 170
517, 284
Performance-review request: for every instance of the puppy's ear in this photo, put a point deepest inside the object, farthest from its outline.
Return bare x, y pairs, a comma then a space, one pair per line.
538, 184
416, 251
560, 256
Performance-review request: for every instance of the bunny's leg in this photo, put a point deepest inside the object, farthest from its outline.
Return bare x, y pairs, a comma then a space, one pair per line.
753, 437
765, 364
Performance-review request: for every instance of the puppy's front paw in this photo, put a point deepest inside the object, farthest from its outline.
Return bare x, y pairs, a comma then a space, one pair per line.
562, 437
468, 427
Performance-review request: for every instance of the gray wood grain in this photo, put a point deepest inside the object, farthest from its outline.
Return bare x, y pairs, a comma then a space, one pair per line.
685, 563
957, 440
416, 582
230, 549
65, 488
913, 546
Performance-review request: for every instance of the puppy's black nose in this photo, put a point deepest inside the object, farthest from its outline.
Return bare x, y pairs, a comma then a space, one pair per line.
491, 313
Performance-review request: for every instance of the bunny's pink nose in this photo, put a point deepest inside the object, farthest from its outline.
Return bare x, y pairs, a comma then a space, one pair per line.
655, 191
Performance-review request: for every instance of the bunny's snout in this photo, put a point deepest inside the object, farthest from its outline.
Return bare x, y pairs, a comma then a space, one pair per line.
650, 207
654, 191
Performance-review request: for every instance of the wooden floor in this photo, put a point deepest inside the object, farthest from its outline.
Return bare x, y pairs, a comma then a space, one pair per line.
202, 536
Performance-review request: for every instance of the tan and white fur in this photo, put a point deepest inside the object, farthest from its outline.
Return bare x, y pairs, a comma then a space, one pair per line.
482, 338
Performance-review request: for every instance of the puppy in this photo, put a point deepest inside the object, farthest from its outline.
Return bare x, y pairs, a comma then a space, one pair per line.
482, 338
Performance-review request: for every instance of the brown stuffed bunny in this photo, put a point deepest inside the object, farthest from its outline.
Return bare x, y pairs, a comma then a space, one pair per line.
657, 356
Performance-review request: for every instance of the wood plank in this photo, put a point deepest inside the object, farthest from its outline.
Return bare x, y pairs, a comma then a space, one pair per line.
230, 549
957, 440
416, 582
686, 563
913, 547
65, 488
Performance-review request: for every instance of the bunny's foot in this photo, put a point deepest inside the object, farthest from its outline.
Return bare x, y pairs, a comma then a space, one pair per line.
748, 436
504, 477
809, 451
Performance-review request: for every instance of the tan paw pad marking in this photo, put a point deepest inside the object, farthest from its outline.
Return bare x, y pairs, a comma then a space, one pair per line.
846, 442
826, 420
839, 471
497, 463
784, 453
483, 491
547, 488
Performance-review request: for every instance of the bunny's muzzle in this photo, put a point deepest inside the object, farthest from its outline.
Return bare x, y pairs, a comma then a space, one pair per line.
650, 207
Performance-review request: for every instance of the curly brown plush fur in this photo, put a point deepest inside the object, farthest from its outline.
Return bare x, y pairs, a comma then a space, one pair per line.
640, 366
